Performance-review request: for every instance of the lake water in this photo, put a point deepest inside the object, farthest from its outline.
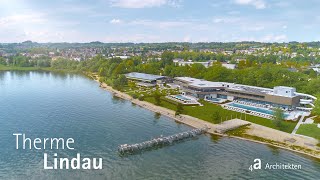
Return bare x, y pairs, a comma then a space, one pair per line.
45, 104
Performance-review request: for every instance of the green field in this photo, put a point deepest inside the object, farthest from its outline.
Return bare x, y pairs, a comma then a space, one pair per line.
163, 103
206, 112
309, 130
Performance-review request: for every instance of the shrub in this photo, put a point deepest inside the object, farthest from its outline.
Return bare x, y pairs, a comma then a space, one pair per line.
141, 98
134, 96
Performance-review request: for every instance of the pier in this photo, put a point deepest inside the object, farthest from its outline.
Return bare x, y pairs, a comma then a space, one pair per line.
161, 141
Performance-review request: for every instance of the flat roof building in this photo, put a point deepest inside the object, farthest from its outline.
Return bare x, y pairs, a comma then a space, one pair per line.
143, 77
146, 80
278, 96
181, 62
229, 66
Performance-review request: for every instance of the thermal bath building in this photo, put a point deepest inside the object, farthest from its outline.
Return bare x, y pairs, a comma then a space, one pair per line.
280, 96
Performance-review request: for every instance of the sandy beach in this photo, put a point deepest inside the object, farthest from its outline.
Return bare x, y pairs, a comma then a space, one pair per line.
296, 143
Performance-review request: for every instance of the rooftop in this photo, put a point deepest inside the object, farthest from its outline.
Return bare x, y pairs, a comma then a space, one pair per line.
143, 76
199, 83
252, 89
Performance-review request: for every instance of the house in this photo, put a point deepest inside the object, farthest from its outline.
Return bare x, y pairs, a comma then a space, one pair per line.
229, 66
181, 62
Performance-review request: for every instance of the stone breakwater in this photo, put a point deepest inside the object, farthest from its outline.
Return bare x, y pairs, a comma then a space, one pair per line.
161, 141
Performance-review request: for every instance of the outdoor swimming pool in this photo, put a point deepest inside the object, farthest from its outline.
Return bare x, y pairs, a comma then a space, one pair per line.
181, 97
214, 99
256, 109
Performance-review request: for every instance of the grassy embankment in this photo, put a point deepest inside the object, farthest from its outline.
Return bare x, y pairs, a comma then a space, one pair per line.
241, 132
309, 130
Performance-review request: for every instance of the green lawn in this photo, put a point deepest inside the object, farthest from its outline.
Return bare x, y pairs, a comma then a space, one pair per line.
205, 113
309, 130
163, 103
146, 92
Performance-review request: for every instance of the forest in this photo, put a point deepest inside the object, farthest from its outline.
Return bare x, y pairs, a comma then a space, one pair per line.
257, 71
265, 74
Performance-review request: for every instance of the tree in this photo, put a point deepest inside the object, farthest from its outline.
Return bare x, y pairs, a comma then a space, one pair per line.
3, 61
313, 86
120, 82
157, 96
195, 70
120, 69
216, 117
316, 109
278, 117
141, 98
242, 64
179, 109
166, 58
311, 73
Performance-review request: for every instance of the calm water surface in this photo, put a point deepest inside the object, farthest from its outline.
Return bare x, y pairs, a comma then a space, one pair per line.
44, 104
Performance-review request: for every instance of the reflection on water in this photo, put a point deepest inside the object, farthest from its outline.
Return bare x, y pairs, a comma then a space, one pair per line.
215, 138
116, 99
157, 115
275, 150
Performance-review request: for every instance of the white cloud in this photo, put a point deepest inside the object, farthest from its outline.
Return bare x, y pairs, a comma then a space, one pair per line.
136, 38
174, 3
160, 24
36, 26
266, 38
226, 19
274, 38
233, 12
258, 4
187, 39
144, 3
18, 19
282, 4
253, 28
115, 21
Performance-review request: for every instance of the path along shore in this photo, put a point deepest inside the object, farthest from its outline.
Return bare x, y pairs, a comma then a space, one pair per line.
299, 144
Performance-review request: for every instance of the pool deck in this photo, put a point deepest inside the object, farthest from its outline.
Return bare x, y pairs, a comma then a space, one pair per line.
187, 101
292, 115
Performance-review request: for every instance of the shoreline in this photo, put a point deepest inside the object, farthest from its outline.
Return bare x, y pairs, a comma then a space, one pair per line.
215, 129
46, 69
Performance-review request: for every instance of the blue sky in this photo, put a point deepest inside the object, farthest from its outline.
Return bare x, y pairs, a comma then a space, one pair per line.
159, 20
